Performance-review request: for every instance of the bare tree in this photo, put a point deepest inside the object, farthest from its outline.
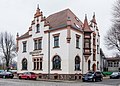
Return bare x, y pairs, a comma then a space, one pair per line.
112, 39
7, 47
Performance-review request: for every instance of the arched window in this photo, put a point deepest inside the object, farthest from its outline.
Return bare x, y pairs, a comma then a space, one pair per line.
89, 65
77, 63
56, 62
24, 64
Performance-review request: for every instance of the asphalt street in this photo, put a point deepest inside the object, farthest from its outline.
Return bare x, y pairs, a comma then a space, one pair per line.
17, 82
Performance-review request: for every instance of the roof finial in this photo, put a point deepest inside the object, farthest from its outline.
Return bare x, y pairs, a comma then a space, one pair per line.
85, 16
37, 6
93, 14
17, 34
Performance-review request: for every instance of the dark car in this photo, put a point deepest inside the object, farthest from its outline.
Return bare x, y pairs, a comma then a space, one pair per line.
5, 74
28, 75
115, 75
92, 76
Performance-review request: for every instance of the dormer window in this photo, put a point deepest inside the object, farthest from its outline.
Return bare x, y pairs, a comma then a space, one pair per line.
37, 28
77, 25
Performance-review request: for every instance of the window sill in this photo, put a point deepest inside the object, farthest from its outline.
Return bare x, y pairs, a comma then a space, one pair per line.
37, 70
56, 47
37, 49
24, 70
24, 51
77, 47
38, 32
77, 70
56, 69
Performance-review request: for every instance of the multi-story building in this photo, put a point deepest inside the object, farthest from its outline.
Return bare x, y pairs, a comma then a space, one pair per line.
59, 46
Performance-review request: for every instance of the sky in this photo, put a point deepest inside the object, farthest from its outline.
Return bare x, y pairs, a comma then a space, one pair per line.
16, 15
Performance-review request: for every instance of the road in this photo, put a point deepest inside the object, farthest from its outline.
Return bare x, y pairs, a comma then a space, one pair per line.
17, 82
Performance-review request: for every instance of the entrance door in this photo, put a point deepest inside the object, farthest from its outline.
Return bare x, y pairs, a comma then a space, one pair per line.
94, 67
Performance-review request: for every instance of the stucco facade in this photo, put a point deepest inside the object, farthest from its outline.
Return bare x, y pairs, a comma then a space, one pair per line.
54, 47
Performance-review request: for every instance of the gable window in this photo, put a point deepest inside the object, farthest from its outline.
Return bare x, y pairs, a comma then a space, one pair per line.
37, 28
38, 44
56, 63
24, 46
37, 63
24, 64
77, 41
77, 63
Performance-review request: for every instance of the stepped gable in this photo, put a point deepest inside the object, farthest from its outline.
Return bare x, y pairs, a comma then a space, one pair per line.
59, 19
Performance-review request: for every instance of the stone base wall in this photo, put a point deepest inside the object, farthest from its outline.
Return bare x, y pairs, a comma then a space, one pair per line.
61, 76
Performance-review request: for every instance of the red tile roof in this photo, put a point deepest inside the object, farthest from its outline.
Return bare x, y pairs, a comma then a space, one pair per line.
60, 19
86, 26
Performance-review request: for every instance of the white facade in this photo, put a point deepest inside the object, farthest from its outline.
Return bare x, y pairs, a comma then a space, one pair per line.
66, 50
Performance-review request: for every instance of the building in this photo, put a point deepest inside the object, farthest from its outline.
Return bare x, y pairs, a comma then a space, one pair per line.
102, 61
59, 46
113, 64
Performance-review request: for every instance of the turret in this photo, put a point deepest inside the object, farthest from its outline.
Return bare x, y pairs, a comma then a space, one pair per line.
87, 39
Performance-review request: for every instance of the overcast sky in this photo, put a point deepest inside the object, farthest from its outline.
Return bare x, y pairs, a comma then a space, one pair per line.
16, 15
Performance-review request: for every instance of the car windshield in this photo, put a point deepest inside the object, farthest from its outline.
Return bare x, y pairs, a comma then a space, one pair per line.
89, 74
32, 73
114, 73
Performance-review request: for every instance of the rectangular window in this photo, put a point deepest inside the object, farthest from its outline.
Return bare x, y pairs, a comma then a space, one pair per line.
56, 41
97, 49
87, 43
77, 42
94, 57
37, 63
35, 44
37, 28
39, 44
24, 46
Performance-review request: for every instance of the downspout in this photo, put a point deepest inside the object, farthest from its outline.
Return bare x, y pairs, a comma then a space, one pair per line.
82, 54
48, 54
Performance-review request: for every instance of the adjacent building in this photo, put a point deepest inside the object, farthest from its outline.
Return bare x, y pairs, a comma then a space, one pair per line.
60, 46
113, 64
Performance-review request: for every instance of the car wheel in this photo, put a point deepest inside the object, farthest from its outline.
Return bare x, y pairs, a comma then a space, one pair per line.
11, 77
93, 80
34, 78
19, 77
83, 80
4, 77
101, 79
28, 78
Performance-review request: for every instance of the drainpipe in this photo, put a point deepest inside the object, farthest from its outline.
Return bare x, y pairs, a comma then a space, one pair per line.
83, 55
48, 54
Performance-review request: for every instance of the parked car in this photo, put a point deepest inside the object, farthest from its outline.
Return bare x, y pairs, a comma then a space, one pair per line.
28, 75
5, 74
92, 76
115, 75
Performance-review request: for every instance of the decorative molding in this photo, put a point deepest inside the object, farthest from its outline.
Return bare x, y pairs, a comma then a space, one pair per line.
58, 34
